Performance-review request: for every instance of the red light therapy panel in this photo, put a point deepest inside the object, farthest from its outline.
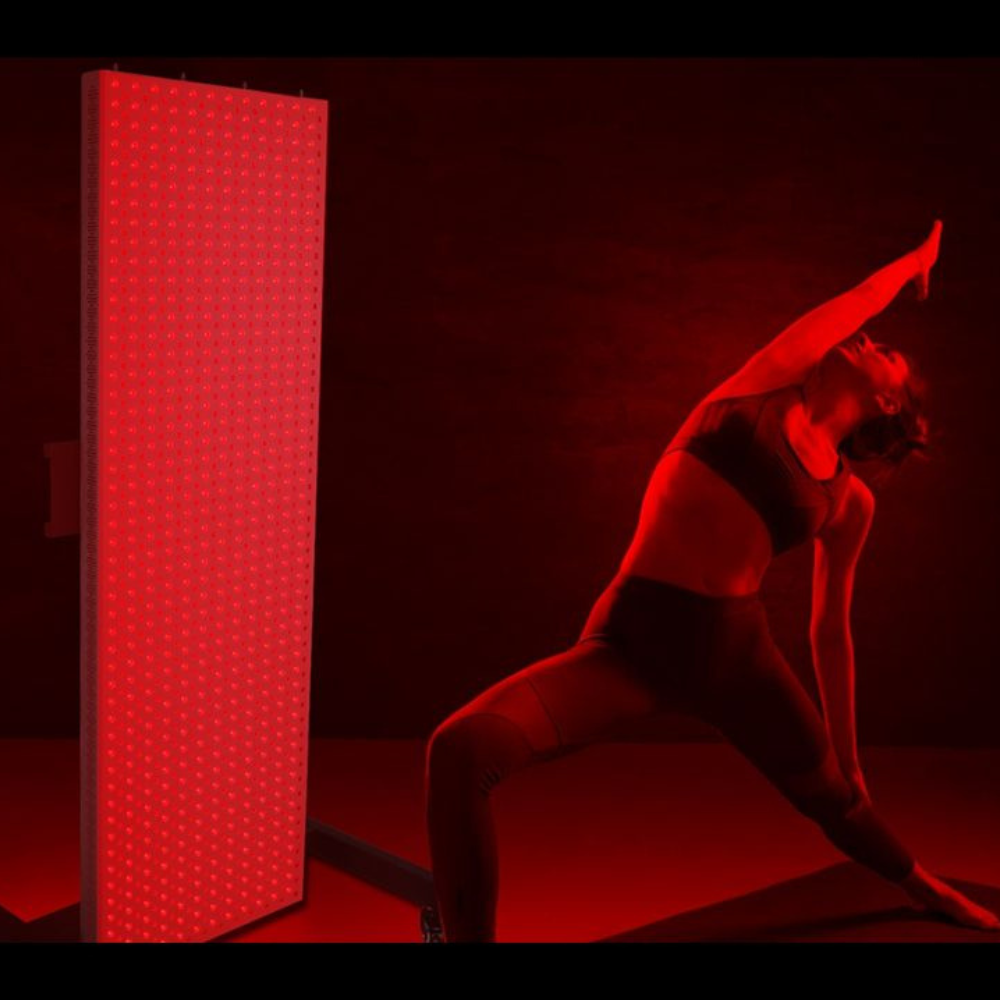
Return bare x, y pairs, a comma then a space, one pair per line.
203, 223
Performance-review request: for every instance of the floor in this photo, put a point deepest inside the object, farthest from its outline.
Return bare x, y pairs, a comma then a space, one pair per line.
613, 842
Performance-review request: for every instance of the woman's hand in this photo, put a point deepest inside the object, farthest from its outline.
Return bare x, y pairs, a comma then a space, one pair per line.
927, 892
852, 771
927, 255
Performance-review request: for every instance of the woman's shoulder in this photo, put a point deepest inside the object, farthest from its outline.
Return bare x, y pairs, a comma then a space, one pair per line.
713, 409
731, 390
853, 505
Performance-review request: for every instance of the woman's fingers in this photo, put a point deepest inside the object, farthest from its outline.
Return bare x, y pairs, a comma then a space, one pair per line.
931, 246
990, 920
927, 255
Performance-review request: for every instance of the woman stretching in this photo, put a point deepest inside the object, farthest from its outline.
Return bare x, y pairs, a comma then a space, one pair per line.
757, 467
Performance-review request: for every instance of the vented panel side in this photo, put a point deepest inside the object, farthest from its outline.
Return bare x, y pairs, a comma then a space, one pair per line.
203, 226
90, 203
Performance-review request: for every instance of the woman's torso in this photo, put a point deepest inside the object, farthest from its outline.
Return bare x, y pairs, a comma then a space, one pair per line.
696, 529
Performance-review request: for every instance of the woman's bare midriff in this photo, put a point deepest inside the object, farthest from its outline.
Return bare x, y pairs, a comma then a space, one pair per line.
695, 530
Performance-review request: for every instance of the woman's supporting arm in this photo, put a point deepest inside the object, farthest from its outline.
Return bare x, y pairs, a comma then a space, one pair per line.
833, 656
837, 548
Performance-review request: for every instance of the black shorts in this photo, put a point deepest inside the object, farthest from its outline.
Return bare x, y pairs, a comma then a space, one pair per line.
713, 658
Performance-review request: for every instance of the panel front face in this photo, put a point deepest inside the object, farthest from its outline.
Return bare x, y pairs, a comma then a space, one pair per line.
203, 222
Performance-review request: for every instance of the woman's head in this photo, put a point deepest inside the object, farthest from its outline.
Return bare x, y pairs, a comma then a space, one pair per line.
891, 395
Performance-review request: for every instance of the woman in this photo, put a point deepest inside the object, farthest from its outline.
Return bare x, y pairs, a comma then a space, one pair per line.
755, 469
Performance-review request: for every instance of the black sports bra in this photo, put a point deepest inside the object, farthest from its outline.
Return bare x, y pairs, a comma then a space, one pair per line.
742, 440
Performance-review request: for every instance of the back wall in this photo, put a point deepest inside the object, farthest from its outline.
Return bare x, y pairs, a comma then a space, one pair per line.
535, 268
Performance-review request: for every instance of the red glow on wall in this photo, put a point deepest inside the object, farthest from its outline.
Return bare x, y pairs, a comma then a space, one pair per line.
203, 229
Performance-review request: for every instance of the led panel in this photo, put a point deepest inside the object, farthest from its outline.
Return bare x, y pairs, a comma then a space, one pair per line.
203, 224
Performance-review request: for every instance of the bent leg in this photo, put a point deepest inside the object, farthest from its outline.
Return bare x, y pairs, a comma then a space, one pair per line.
543, 711
767, 714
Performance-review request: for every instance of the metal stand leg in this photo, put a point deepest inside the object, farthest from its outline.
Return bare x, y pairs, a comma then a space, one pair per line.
379, 868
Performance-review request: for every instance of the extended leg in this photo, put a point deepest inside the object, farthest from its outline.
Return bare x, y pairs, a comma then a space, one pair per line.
544, 711
756, 700
849, 822
762, 708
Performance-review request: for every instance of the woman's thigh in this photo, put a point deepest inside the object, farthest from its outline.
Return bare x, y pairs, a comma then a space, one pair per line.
753, 697
567, 700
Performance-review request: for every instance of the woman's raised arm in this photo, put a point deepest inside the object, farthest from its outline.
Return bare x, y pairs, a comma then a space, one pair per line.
800, 346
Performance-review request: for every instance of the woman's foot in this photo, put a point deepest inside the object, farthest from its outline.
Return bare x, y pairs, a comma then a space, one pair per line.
928, 893
430, 926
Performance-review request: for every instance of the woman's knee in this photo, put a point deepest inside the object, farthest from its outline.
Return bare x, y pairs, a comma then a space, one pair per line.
475, 750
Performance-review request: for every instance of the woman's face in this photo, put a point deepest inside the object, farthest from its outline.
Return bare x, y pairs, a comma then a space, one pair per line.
875, 371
